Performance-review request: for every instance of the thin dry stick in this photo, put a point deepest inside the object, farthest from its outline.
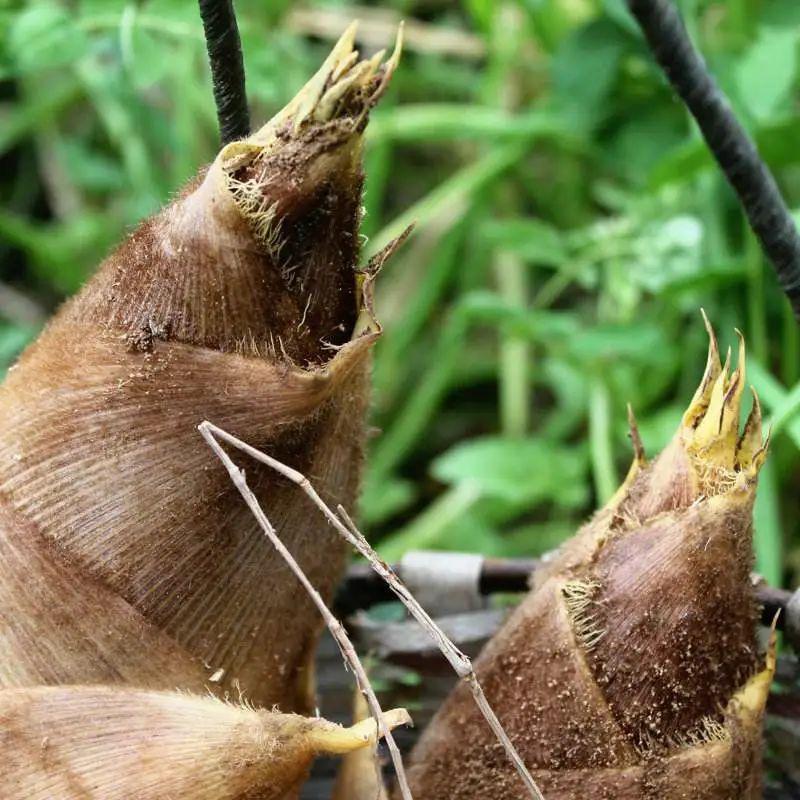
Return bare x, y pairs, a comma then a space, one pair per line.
458, 660
342, 522
334, 626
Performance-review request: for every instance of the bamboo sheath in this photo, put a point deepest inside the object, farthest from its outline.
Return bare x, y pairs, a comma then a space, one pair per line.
152, 641
614, 678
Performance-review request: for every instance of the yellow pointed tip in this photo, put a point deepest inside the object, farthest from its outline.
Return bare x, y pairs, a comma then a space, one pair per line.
339, 61
639, 461
636, 439
713, 346
761, 454
376, 61
394, 60
699, 402
710, 426
360, 707
387, 70
750, 442
756, 400
741, 363
352, 78
344, 65
772, 648
341, 73
729, 420
747, 705
723, 458
329, 738
346, 42
351, 30
342, 54
359, 775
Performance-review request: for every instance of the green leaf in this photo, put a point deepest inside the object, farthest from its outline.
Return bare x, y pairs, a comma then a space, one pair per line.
584, 71
145, 52
470, 533
637, 341
781, 13
44, 37
429, 529
456, 190
766, 73
488, 308
642, 139
91, 169
768, 538
533, 240
63, 252
680, 163
482, 13
528, 470
775, 140
774, 397
25, 117
569, 385
537, 538
617, 10
383, 497
666, 252
432, 122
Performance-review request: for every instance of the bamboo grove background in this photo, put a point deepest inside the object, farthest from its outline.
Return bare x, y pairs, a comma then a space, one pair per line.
570, 224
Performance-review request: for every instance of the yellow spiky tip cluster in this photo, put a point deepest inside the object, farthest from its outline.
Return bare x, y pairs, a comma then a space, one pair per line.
723, 457
342, 76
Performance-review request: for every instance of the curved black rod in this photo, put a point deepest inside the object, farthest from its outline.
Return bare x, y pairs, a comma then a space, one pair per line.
730, 144
227, 68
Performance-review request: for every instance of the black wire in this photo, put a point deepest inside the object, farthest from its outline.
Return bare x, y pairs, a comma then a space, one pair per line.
227, 68
728, 141
363, 588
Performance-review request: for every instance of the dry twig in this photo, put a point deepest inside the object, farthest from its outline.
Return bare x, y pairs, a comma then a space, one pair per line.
334, 626
342, 522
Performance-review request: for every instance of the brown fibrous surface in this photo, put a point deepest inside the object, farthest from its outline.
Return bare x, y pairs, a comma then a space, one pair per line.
614, 677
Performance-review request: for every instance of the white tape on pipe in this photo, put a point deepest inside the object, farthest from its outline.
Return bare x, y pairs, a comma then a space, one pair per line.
444, 583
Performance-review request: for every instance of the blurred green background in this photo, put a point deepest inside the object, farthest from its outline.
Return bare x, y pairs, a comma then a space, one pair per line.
570, 225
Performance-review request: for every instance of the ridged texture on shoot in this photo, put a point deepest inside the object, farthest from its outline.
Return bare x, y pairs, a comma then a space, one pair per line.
631, 670
126, 557
99, 743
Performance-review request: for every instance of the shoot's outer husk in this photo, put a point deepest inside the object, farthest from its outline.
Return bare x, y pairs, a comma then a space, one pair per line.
101, 743
127, 558
614, 678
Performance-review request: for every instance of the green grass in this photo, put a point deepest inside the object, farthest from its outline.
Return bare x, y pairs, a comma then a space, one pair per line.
570, 224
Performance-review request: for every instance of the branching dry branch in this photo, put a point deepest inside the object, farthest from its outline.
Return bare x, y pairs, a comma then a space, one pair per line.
334, 626
344, 525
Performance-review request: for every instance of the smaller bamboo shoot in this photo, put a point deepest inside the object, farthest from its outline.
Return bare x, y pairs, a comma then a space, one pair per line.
101, 743
613, 677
